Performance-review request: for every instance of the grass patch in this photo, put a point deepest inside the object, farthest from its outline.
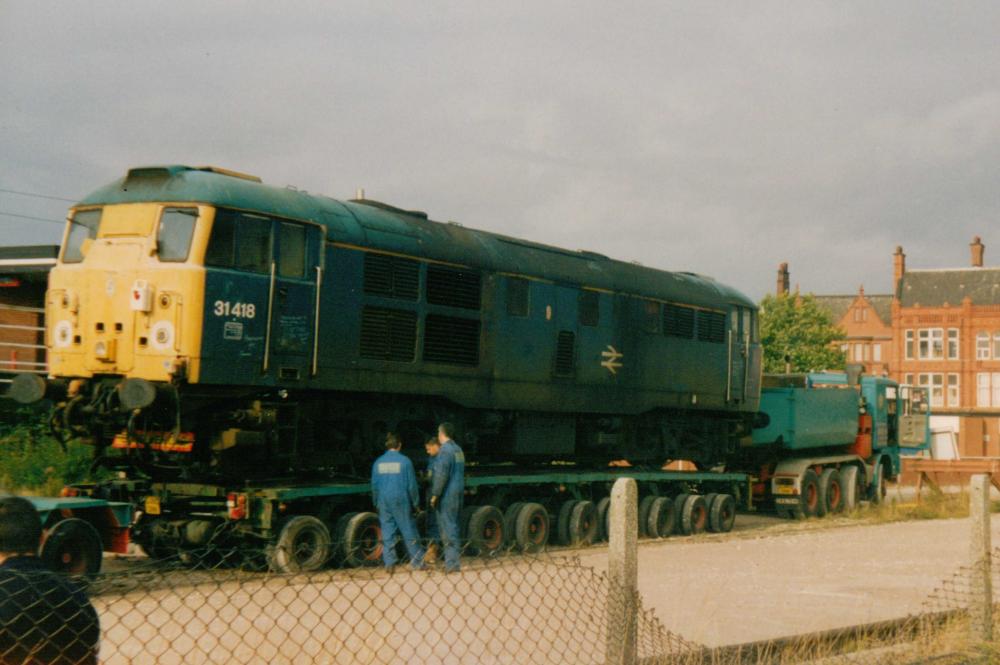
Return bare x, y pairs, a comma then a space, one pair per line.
934, 506
33, 462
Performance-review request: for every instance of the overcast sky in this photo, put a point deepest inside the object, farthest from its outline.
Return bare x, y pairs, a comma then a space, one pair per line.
721, 138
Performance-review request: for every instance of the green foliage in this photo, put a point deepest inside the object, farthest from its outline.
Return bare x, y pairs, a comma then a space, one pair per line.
798, 327
32, 461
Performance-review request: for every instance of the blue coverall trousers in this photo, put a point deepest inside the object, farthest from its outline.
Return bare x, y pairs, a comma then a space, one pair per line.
396, 518
447, 521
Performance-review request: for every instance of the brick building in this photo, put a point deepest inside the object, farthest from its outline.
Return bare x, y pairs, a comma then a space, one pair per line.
23, 278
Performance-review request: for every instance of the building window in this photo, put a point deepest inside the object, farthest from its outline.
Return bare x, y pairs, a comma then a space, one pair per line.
935, 386
996, 345
982, 346
909, 345
908, 379
860, 314
988, 389
931, 343
877, 353
845, 349
953, 396
858, 353
952, 343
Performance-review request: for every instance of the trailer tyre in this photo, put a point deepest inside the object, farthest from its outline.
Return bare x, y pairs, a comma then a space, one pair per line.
563, 532
603, 518
362, 540
510, 521
709, 500
851, 482
532, 528
485, 531
583, 524
678, 507
660, 521
722, 513
831, 492
644, 506
694, 515
809, 494
303, 546
74, 547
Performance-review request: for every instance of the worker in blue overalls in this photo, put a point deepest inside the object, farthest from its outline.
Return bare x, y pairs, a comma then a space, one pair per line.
394, 491
447, 490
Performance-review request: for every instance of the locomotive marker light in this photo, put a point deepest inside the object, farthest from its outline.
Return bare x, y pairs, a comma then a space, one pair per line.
611, 358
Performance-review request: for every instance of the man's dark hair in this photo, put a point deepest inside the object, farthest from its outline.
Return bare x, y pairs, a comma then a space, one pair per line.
392, 441
20, 526
448, 430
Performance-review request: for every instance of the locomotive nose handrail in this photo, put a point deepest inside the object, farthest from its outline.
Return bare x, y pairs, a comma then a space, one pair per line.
270, 314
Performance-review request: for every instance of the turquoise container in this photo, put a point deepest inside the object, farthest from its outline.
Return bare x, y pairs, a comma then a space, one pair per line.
803, 418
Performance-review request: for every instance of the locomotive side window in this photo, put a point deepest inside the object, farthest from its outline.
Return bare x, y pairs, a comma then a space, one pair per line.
240, 241
453, 287
292, 250
517, 296
82, 227
650, 316
173, 238
589, 307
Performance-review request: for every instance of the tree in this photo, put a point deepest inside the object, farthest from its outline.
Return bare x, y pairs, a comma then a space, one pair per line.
798, 327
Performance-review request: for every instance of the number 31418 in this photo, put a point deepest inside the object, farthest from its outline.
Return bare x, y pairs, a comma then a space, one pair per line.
242, 310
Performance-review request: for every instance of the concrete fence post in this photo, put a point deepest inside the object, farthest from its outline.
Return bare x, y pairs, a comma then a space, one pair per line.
623, 573
980, 564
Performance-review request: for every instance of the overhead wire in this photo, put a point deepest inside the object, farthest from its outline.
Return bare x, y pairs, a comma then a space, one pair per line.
31, 217
37, 196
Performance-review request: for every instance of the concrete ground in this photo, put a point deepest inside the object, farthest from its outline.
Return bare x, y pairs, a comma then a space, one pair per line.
749, 588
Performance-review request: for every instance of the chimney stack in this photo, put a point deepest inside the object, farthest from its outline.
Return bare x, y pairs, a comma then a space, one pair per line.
898, 267
977, 248
783, 280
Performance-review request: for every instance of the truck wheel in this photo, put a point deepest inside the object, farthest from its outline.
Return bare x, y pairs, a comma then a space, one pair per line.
73, 547
532, 528
694, 515
722, 513
678, 506
644, 506
583, 524
851, 482
660, 521
464, 516
709, 500
362, 540
831, 492
603, 517
485, 530
510, 521
809, 494
303, 546
563, 534
878, 489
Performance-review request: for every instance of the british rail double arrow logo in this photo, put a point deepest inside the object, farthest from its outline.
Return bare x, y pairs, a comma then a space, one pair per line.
611, 358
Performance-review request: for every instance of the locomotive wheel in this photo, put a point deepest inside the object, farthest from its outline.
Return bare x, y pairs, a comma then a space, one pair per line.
73, 547
510, 521
809, 494
722, 513
583, 524
303, 545
831, 492
660, 521
851, 481
603, 515
532, 527
644, 505
709, 500
486, 530
679, 502
694, 515
363, 540
563, 533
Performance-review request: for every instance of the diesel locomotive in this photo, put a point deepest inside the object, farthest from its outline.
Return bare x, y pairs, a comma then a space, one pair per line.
208, 330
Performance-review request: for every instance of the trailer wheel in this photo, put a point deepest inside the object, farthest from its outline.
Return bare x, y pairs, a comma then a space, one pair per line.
831, 491
603, 517
73, 547
849, 480
510, 521
485, 530
644, 505
694, 515
363, 540
532, 527
722, 513
678, 507
563, 533
709, 500
583, 524
660, 521
303, 546
878, 489
809, 494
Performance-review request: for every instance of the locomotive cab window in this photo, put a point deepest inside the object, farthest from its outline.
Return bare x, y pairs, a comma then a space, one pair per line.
82, 227
240, 241
173, 237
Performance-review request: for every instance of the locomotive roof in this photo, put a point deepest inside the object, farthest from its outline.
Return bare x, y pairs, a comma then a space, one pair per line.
372, 224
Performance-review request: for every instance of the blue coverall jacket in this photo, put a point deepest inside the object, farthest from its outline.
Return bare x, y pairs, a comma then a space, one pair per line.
395, 494
448, 485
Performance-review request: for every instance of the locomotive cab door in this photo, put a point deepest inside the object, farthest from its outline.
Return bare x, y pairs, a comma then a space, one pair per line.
293, 302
